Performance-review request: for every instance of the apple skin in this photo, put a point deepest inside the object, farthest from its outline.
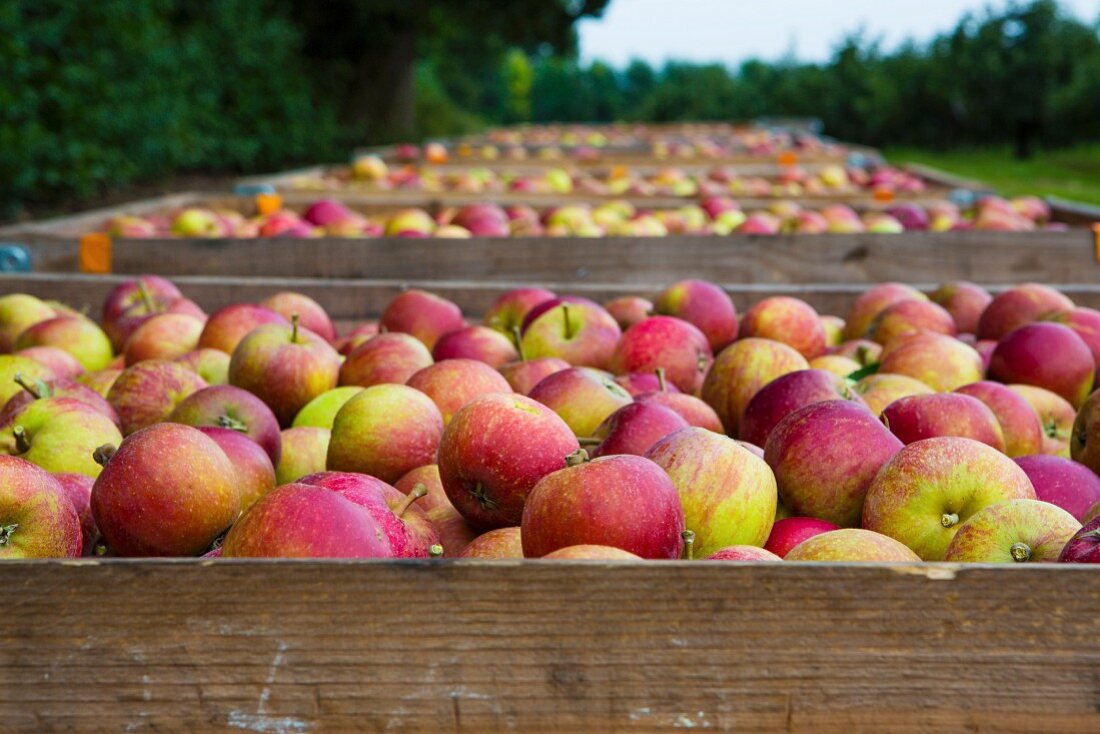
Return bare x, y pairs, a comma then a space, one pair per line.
834, 330
454, 532
825, 456
1019, 423
918, 417
128, 294
100, 381
922, 495
965, 301
79, 336
1084, 546
78, 488
286, 367
496, 544
227, 327
321, 411
1024, 356
1056, 417
359, 335
835, 364
851, 545
863, 351
784, 395
508, 311
668, 343
164, 336
121, 329
306, 521
226, 406
57, 388
385, 358
744, 553
690, 408
58, 361
149, 391
911, 317
523, 376
385, 431
626, 502
641, 383
169, 490
634, 428
1062, 482
60, 433
211, 365
583, 398
788, 320
303, 451
881, 389
1084, 439
941, 362
254, 472
739, 372
629, 310
476, 342
46, 524
1018, 306
703, 304
311, 314
19, 312
12, 365
1085, 322
727, 493
788, 532
453, 383
578, 331
1018, 531
872, 302
424, 315
495, 450
589, 552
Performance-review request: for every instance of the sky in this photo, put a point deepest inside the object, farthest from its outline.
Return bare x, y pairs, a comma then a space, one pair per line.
733, 30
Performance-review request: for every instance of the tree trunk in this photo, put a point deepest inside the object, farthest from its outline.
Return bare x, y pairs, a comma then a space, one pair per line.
381, 101
1025, 136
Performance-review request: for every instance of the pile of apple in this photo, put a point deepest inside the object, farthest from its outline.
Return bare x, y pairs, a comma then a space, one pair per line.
954, 426
715, 215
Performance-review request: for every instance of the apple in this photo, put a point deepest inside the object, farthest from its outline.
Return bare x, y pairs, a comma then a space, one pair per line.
744, 553
60, 388
1059, 481
872, 302
929, 488
1084, 440
788, 532
384, 358
783, 395
284, 367
78, 336
168, 490
58, 434
965, 302
834, 330
324, 211
941, 362
197, 222
321, 411
918, 417
626, 502
835, 364
739, 372
787, 320
476, 342
359, 335
226, 406
507, 312
1085, 322
1019, 422
100, 381
227, 327
212, 365
304, 451
690, 408
1019, 531
1024, 356
311, 314
496, 544
1084, 546
254, 472
1018, 306
582, 397
524, 375
385, 431
911, 317
495, 450
881, 389
453, 383
37, 520
666, 343
1056, 417
122, 328
825, 456
640, 383
58, 361
629, 310
409, 222
727, 493
579, 331
428, 477
149, 391
590, 552
78, 489
703, 304
455, 533
19, 312
164, 336
634, 428
850, 545
863, 351
424, 315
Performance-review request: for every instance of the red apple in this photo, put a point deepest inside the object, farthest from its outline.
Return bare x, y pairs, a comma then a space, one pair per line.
1024, 356
629, 310
78, 488
918, 417
226, 327
1069, 485
1019, 422
453, 383
1084, 546
1018, 306
872, 302
303, 451
211, 365
634, 428
965, 302
495, 545
58, 361
1056, 417
589, 552
577, 330
226, 406
786, 394
939, 361
703, 304
385, 358
254, 472
666, 343
787, 320
850, 545
164, 336
476, 342
911, 317
1019, 531
149, 391
311, 314
524, 375
428, 476
744, 553
80, 337
424, 315
37, 520
790, 531
506, 314
741, 370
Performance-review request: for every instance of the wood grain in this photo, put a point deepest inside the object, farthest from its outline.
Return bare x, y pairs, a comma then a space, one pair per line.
547, 647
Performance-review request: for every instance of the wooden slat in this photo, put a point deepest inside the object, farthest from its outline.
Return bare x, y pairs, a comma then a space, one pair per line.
547, 647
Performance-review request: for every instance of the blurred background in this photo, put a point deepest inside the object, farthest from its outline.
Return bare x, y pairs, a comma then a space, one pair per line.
114, 98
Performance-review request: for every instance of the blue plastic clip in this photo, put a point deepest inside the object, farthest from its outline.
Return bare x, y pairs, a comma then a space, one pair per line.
14, 258
253, 189
962, 198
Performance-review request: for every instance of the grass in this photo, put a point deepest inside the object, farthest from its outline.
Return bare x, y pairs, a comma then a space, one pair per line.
1068, 173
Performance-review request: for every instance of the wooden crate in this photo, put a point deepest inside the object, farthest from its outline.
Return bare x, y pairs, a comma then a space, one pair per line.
537, 646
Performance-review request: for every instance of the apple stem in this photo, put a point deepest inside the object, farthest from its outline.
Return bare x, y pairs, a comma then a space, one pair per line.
565, 317
435, 551
417, 492
1021, 552
949, 519
22, 444
37, 389
518, 339
225, 421
589, 441
701, 362
661, 379
576, 458
103, 454
145, 297
293, 328
689, 544
6, 531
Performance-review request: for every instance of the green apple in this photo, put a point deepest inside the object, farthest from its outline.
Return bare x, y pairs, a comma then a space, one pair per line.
321, 411
1020, 531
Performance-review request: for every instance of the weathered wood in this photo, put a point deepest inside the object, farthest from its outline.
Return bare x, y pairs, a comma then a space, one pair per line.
547, 647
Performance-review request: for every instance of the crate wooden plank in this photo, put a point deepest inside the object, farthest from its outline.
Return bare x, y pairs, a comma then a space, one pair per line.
306, 646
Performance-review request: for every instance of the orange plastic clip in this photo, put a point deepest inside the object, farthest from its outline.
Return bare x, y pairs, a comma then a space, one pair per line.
95, 253
1096, 239
883, 194
788, 158
620, 171
268, 204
